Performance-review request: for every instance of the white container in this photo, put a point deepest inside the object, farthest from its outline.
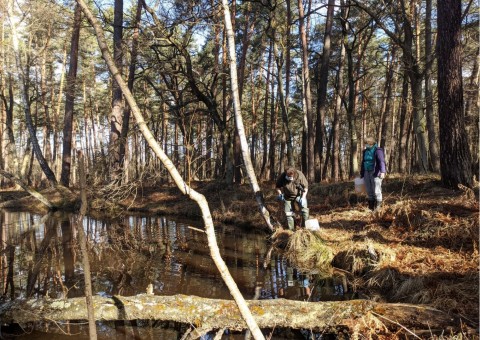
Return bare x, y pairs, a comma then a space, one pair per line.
312, 224
359, 185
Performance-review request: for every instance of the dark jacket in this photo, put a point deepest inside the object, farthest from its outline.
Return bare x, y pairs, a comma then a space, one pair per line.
292, 189
378, 163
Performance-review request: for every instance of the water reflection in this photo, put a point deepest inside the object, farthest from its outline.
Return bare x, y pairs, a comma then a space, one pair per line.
41, 257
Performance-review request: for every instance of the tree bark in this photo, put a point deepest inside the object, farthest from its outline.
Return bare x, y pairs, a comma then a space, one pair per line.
239, 120
307, 96
70, 99
322, 104
429, 95
116, 118
455, 158
353, 315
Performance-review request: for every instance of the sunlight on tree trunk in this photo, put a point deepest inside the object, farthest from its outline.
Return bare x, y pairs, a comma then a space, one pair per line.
239, 121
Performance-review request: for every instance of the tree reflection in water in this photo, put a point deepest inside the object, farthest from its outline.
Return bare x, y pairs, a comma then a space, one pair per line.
41, 258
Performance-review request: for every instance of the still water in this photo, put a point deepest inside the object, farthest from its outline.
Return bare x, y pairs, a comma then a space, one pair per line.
40, 256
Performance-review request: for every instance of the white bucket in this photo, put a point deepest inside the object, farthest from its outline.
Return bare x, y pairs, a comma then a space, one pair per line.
312, 224
359, 185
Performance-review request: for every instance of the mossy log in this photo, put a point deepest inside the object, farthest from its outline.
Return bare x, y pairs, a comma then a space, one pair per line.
351, 316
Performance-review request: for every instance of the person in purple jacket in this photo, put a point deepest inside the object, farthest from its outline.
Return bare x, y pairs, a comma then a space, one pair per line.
373, 172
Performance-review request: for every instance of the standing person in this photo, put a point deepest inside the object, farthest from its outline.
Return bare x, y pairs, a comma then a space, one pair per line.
373, 171
292, 186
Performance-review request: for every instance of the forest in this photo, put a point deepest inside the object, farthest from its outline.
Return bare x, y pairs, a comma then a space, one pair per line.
110, 107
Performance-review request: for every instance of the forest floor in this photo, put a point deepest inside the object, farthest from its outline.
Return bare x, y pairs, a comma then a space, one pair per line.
420, 247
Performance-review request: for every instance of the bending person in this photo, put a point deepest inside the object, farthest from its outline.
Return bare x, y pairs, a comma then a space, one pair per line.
292, 186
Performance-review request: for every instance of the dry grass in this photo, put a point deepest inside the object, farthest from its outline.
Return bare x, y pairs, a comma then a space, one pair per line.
421, 247
309, 252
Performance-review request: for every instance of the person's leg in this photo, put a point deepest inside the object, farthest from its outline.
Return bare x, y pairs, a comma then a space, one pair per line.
378, 192
304, 208
370, 188
288, 208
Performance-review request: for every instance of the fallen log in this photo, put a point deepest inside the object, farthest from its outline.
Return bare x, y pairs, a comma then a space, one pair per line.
351, 316
27, 188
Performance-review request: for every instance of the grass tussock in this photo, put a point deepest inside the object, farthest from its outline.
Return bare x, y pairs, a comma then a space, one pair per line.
309, 252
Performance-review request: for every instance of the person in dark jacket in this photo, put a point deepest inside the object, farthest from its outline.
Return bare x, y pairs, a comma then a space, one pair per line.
373, 172
292, 186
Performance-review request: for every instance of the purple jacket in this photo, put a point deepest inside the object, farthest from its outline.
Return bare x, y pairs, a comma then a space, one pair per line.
379, 163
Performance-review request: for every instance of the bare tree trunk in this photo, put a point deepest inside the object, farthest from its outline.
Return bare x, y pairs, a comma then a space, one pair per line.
431, 127
116, 118
322, 92
388, 98
282, 99
239, 120
288, 67
265, 113
70, 99
403, 128
455, 158
354, 317
310, 133
184, 188
131, 79
338, 103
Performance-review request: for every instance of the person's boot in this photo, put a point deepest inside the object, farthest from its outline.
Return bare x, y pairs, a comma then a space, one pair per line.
371, 204
378, 204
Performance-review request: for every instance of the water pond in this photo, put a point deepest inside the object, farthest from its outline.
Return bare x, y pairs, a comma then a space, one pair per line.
40, 256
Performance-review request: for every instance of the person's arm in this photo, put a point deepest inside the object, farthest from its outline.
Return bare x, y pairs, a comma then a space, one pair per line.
304, 184
304, 193
362, 170
279, 184
381, 161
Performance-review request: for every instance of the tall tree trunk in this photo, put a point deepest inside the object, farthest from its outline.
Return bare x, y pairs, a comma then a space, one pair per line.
403, 127
322, 92
455, 158
307, 96
131, 79
184, 188
415, 77
338, 103
288, 67
265, 112
239, 120
8, 142
388, 98
273, 131
431, 126
70, 99
116, 118
45, 100
283, 106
